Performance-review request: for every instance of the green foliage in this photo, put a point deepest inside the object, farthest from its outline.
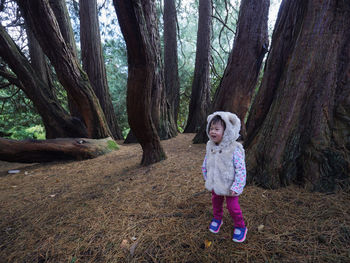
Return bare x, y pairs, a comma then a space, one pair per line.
125, 132
117, 73
33, 132
18, 118
225, 16
112, 145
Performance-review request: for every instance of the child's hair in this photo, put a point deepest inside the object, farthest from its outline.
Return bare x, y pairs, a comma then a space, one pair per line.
217, 119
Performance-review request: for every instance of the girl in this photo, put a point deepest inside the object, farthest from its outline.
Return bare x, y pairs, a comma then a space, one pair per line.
224, 170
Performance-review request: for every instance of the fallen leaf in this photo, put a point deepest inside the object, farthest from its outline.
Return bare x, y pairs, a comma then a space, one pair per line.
207, 243
133, 238
52, 195
125, 244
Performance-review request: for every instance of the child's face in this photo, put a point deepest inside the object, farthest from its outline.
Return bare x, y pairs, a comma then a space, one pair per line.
216, 132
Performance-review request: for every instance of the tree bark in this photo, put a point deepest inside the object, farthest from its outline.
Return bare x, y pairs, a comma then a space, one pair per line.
200, 96
171, 74
38, 60
32, 151
141, 67
60, 10
93, 62
56, 120
43, 23
241, 74
161, 116
301, 135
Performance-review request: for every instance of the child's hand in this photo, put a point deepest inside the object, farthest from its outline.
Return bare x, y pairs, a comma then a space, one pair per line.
233, 193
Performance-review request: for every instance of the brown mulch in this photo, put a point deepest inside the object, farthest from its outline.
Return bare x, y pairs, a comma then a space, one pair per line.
110, 209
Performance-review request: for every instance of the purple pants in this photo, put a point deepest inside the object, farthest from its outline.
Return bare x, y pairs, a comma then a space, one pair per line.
232, 206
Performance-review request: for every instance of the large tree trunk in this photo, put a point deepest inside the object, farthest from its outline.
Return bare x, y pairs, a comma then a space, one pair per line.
240, 77
60, 10
301, 135
38, 60
43, 23
200, 96
93, 62
56, 120
32, 151
161, 116
141, 67
171, 75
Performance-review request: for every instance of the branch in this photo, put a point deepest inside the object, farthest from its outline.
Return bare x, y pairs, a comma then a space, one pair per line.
4, 86
2, 5
102, 6
213, 69
11, 78
184, 94
181, 47
223, 23
222, 60
9, 97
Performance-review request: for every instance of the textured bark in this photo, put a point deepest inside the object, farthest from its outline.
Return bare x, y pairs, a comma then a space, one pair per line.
43, 23
93, 61
141, 67
171, 74
56, 120
284, 39
161, 116
31, 151
60, 10
38, 60
240, 77
200, 96
301, 135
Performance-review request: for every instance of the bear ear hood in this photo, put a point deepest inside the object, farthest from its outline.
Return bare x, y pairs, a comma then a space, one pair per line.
233, 126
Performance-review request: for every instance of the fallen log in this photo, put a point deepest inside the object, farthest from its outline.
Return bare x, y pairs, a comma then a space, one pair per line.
30, 151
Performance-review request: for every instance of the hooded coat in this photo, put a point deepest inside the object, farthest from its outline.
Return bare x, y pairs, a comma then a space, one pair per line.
220, 170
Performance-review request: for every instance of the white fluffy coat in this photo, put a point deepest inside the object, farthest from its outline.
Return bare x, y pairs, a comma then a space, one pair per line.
219, 163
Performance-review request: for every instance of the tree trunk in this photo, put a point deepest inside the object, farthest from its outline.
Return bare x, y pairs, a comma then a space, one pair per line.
301, 134
200, 97
240, 77
161, 116
38, 60
56, 120
93, 62
60, 10
171, 75
32, 151
141, 67
43, 23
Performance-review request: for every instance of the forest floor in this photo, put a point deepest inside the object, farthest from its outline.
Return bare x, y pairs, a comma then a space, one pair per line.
110, 209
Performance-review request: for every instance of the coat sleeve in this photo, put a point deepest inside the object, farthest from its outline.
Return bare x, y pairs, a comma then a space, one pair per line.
240, 172
204, 168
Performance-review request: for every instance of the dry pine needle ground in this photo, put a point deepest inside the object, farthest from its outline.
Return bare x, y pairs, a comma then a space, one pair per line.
110, 209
